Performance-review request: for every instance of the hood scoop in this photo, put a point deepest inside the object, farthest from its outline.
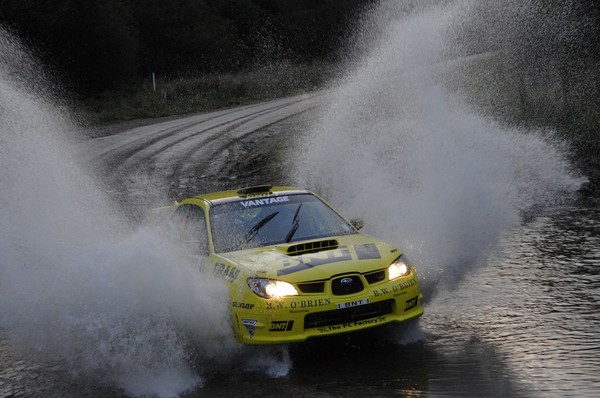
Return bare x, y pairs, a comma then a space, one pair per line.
312, 247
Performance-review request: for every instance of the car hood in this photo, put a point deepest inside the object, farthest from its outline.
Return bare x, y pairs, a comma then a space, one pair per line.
317, 259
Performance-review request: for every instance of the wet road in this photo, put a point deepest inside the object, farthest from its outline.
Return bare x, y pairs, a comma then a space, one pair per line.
525, 322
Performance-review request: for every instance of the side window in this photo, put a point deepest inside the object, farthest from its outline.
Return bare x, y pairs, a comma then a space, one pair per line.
190, 226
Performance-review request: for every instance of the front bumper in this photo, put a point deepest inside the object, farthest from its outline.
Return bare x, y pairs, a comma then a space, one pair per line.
297, 318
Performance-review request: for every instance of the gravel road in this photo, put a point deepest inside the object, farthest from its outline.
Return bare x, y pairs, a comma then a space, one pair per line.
225, 149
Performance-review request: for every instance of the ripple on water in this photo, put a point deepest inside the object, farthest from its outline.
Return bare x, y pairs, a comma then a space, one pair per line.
538, 303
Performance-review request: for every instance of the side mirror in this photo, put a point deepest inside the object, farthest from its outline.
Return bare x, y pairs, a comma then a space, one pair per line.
357, 223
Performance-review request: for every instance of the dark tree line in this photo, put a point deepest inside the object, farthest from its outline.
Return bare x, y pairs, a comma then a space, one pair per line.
101, 43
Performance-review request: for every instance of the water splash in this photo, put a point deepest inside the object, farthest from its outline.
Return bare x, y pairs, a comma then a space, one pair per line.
424, 169
273, 361
78, 286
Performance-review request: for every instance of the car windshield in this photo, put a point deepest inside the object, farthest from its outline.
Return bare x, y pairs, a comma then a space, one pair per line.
270, 220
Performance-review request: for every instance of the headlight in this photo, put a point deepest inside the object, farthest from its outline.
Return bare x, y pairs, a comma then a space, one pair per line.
398, 268
270, 288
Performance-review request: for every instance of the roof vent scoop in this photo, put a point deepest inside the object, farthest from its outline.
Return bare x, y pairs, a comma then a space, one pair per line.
255, 189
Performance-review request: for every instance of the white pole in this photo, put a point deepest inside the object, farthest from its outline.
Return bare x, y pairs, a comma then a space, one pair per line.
153, 82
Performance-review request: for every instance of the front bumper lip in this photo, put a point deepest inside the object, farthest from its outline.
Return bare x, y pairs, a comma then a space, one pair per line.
263, 332
298, 318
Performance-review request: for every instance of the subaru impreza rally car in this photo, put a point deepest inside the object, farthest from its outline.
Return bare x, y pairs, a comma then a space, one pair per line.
295, 268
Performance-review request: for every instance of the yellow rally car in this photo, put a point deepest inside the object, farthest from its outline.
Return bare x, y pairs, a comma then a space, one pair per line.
295, 268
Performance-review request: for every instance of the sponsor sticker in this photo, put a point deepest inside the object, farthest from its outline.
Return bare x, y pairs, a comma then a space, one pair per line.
281, 326
310, 303
351, 325
265, 201
249, 324
298, 311
246, 306
308, 261
227, 272
397, 288
274, 305
354, 303
367, 251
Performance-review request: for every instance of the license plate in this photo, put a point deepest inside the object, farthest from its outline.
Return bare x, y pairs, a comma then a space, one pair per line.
355, 303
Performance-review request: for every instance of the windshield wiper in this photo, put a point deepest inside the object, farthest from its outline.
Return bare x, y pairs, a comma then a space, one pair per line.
254, 230
295, 225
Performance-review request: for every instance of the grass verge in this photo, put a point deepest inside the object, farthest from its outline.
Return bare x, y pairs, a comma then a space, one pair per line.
176, 96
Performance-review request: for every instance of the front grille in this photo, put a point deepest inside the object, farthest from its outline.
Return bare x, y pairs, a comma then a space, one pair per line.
339, 289
312, 287
346, 315
346, 285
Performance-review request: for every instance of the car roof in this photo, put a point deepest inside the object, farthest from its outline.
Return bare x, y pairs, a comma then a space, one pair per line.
233, 195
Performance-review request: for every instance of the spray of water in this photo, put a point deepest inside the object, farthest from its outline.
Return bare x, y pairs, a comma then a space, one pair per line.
395, 146
424, 169
77, 286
